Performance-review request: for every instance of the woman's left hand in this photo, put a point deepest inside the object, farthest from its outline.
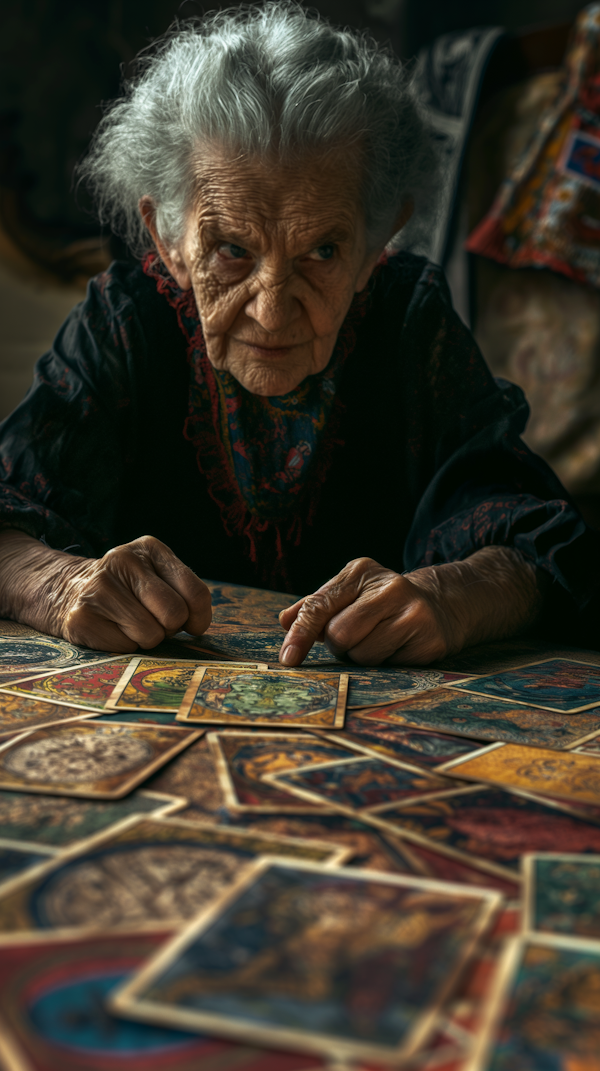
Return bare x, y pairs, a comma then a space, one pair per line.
373, 614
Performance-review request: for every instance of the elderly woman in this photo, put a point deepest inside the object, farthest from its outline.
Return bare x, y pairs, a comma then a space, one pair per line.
275, 391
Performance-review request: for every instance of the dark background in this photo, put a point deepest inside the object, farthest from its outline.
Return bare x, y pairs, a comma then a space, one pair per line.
61, 58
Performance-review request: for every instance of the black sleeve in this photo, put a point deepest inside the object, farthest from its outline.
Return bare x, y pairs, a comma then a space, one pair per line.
64, 450
484, 485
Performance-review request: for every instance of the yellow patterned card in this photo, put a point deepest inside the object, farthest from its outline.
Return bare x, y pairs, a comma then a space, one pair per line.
561, 774
276, 698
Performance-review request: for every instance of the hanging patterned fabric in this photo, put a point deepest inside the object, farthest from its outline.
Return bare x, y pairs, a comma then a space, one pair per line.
547, 212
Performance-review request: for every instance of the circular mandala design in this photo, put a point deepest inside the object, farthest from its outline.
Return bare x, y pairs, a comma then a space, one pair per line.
77, 757
135, 884
15, 652
261, 695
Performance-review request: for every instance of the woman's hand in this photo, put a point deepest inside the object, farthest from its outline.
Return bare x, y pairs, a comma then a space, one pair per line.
133, 597
373, 614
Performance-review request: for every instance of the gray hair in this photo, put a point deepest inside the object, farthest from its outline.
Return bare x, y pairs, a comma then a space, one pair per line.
256, 80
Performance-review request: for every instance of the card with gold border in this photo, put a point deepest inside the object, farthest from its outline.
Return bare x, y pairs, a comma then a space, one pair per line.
542, 1008
358, 784
569, 775
562, 894
269, 698
287, 954
243, 757
85, 758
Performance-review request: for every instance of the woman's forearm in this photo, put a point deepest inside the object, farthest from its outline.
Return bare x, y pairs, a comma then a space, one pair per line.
133, 596
493, 594
32, 580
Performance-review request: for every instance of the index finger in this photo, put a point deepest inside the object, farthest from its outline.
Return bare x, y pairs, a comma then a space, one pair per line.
313, 614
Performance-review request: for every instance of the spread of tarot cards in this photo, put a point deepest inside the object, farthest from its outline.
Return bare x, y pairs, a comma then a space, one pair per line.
207, 859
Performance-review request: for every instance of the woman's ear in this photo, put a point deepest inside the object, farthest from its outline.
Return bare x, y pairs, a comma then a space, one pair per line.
170, 255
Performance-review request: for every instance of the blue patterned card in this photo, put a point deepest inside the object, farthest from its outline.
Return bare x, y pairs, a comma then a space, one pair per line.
561, 684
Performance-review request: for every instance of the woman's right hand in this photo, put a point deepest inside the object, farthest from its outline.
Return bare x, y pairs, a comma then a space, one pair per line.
135, 596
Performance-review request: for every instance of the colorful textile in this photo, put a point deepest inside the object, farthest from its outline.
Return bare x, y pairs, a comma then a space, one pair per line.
259, 454
547, 212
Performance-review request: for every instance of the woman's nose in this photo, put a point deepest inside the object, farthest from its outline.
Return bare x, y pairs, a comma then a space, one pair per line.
274, 307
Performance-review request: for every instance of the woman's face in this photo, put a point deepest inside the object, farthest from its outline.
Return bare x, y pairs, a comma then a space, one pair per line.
274, 255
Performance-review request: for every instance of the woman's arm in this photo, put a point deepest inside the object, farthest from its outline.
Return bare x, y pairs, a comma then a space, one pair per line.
373, 614
133, 596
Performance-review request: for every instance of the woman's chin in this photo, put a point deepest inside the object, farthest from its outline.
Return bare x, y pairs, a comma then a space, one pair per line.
269, 382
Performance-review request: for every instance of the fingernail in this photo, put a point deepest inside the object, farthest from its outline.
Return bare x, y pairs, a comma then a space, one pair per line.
290, 655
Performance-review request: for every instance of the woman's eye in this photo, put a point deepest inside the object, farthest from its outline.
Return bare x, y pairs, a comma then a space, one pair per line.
235, 252
322, 252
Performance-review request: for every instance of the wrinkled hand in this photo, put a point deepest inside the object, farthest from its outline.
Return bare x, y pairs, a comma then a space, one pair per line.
373, 614
136, 595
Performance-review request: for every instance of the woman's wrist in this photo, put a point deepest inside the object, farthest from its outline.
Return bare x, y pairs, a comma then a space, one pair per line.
32, 580
493, 594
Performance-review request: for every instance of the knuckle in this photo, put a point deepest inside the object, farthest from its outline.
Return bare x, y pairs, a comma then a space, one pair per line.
315, 606
145, 542
116, 558
360, 563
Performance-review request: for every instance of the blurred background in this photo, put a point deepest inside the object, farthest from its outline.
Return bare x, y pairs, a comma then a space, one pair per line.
61, 58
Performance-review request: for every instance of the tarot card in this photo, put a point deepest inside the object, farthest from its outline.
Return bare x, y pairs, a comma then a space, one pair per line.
84, 687
289, 953
60, 822
421, 747
192, 774
53, 1015
371, 849
143, 872
360, 785
543, 1009
17, 856
273, 698
22, 656
86, 759
258, 645
390, 684
156, 684
250, 608
242, 758
490, 828
18, 714
562, 894
564, 775
480, 718
559, 684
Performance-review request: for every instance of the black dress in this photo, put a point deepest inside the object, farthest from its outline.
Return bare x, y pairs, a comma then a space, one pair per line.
425, 463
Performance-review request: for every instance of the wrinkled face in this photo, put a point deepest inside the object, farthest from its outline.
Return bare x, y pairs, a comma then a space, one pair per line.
275, 255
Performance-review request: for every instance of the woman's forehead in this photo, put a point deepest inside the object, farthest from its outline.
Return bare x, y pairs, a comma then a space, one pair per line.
315, 197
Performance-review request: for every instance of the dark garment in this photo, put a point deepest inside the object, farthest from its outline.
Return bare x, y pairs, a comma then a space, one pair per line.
426, 464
